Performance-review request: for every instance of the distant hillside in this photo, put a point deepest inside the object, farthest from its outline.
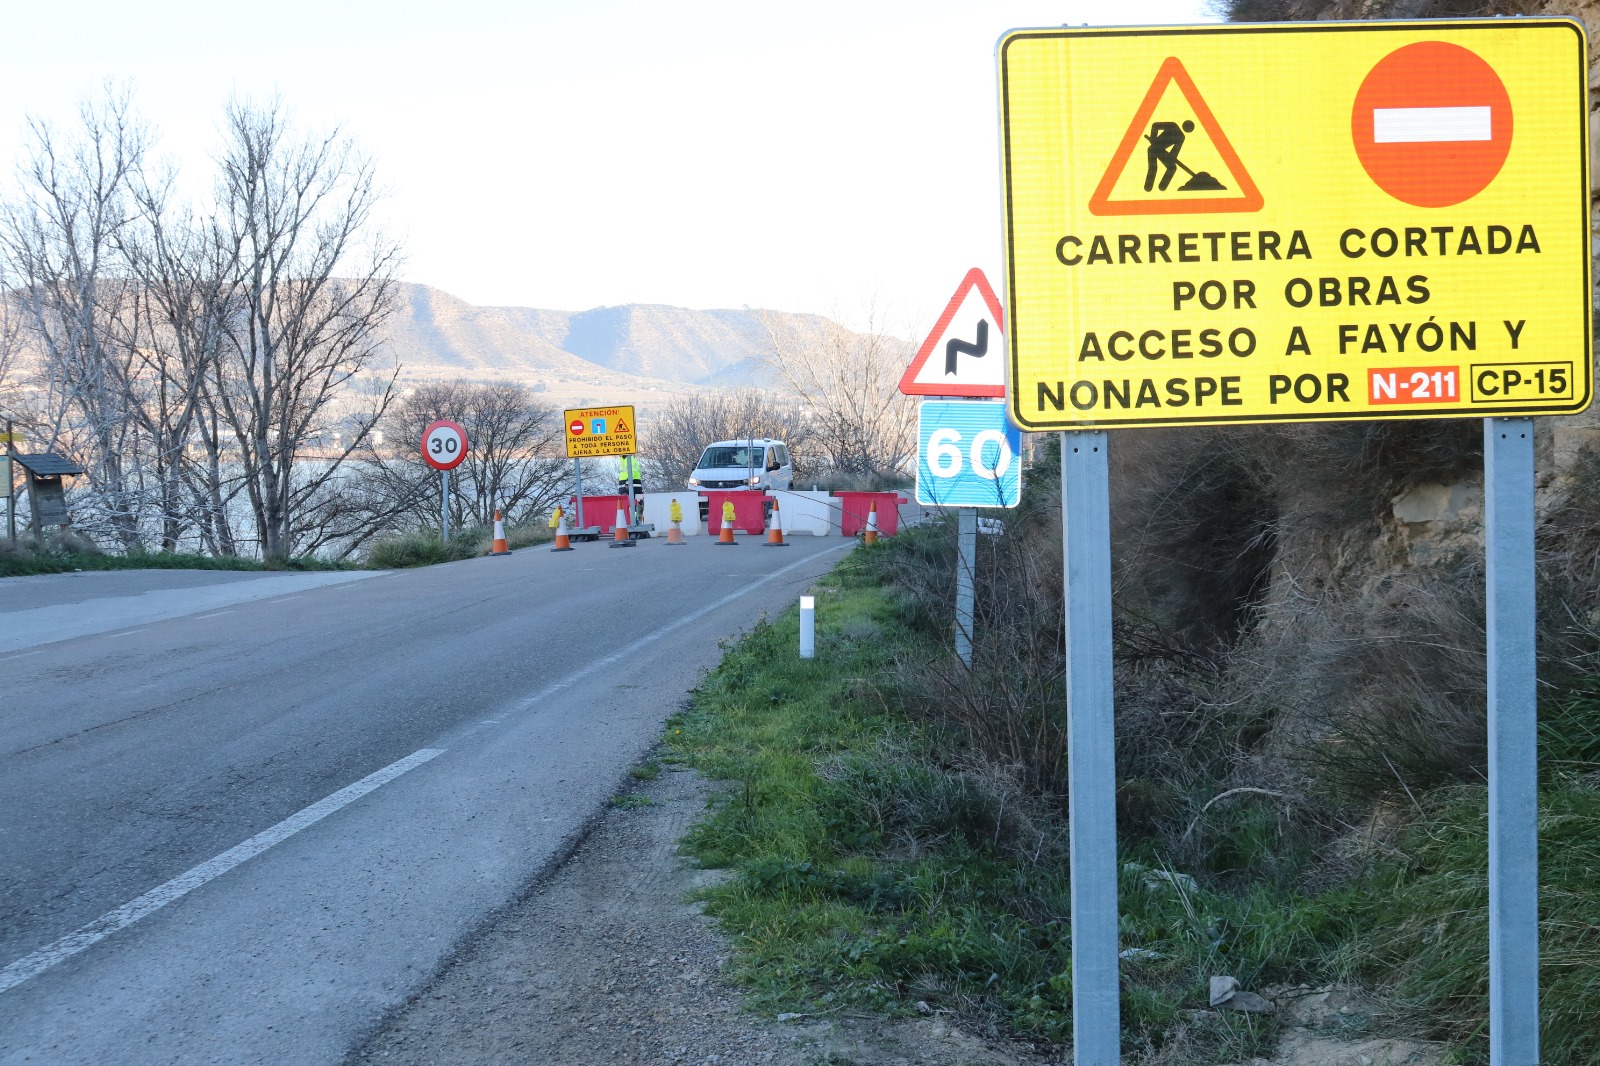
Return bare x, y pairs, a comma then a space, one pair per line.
584, 355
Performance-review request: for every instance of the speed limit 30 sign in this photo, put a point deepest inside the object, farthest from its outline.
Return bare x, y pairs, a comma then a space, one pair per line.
444, 444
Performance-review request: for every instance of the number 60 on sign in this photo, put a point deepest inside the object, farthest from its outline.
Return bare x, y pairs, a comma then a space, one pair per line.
967, 455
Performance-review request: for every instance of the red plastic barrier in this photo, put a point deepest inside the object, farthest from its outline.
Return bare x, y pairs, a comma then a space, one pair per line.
599, 511
749, 511
854, 507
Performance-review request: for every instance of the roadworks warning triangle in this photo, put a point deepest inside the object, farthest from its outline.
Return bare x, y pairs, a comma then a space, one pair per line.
965, 353
1200, 196
622, 427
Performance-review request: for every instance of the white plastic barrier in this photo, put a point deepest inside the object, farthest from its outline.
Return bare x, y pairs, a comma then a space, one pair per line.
658, 505
816, 513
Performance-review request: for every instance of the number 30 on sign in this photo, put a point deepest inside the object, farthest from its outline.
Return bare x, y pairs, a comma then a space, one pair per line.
444, 444
967, 455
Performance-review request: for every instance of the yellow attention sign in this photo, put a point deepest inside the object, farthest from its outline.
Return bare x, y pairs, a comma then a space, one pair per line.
1285, 223
596, 431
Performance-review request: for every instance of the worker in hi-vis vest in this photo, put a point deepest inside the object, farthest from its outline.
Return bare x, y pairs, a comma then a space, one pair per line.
628, 473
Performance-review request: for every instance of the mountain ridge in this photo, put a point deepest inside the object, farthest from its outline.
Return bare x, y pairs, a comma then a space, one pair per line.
583, 355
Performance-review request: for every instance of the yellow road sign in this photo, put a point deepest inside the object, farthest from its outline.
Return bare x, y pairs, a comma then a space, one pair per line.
1281, 223
596, 431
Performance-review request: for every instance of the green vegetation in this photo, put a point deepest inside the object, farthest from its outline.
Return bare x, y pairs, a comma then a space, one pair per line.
882, 857
21, 562
412, 549
423, 548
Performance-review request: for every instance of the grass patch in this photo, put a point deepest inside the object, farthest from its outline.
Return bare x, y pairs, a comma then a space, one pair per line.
21, 563
880, 859
1427, 920
875, 866
423, 547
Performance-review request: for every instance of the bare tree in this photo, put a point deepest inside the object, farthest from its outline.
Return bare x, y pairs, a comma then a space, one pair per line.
314, 286
59, 241
515, 461
849, 386
186, 294
679, 432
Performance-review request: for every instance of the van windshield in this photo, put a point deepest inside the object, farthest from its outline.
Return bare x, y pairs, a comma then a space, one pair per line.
726, 455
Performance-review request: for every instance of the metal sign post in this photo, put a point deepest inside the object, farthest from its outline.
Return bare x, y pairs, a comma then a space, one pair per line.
444, 447
966, 566
11, 492
1091, 754
577, 476
1513, 743
1142, 296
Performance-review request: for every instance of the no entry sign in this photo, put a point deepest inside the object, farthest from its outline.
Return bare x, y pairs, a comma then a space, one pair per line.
1284, 223
1432, 123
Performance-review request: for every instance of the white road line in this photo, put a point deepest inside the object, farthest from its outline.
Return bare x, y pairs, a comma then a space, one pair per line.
218, 614
125, 632
20, 654
32, 965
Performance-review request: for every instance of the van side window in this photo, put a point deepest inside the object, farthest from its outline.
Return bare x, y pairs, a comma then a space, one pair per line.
783, 455
773, 462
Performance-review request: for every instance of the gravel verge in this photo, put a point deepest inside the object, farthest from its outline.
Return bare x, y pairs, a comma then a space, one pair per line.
605, 962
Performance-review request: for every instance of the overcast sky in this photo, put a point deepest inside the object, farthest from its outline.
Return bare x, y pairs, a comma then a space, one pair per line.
827, 156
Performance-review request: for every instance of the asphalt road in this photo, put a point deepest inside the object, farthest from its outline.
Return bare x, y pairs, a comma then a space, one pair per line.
241, 829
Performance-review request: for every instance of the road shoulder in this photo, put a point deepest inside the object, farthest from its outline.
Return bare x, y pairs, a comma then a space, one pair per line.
605, 962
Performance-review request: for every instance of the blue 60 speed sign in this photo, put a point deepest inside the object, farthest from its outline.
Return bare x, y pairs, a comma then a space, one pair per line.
968, 455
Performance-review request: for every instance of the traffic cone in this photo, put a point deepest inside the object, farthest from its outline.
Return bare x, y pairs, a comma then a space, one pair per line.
726, 536
620, 538
775, 534
499, 545
871, 535
563, 544
675, 534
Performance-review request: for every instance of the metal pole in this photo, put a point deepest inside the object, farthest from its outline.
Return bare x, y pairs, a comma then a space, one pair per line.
11, 476
629, 468
1513, 744
444, 508
966, 565
1091, 756
577, 473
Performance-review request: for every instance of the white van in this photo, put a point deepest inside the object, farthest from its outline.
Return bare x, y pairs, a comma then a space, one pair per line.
757, 463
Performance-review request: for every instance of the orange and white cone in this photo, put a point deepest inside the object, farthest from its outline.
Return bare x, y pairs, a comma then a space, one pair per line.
725, 538
499, 545
620, 538
775, 534
871, 535
563, 543
675, 534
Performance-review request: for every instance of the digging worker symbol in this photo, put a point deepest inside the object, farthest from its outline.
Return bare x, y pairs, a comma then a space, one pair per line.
1166, 141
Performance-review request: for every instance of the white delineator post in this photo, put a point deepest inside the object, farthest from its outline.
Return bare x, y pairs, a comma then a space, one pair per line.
808, 627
